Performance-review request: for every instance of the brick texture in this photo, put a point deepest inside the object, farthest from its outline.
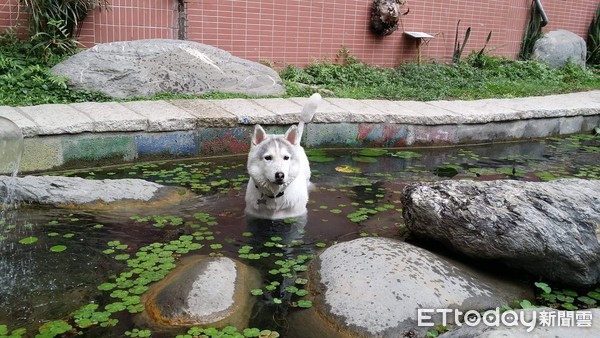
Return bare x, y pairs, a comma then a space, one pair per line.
283, 32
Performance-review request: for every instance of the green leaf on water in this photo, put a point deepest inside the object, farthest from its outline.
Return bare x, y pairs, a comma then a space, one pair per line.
58, 248
543, 286
301, 293
28, 240
115, 307
305, 304
406, 154
587, 300
569, 306
594, 294
372, 152
256, 292
364, 159
320, 159
106, 286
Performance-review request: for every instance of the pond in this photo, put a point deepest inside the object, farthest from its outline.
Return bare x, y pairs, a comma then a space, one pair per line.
70, 270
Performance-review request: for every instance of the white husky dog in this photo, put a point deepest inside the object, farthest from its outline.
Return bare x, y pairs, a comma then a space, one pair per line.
279, 170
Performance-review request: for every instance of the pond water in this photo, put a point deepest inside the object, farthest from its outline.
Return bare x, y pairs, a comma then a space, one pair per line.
75, 270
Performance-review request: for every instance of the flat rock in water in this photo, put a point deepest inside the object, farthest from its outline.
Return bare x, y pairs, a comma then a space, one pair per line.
79, 192
548, 229
144, 68
372, 287
211, 291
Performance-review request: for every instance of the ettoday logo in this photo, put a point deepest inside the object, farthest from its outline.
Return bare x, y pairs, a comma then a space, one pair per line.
508, 318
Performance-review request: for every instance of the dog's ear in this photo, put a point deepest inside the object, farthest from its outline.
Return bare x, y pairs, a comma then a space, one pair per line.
292, 135
259, 135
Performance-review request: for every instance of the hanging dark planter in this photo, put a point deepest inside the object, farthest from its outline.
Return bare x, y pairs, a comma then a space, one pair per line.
385, 15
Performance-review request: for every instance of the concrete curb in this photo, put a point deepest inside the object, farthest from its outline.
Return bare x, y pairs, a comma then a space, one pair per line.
85, 134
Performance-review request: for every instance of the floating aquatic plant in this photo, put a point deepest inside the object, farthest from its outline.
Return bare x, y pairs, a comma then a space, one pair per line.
28, 240
372, 152
58, 248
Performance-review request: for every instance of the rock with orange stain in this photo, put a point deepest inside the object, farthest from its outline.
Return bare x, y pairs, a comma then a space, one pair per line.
203, 291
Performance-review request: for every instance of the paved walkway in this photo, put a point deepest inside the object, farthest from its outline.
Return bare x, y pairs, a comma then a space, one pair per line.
97, 133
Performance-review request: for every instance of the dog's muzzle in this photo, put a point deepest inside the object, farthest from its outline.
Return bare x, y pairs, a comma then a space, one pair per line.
279, 178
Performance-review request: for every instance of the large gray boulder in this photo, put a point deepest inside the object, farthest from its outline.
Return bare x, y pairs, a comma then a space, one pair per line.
558, 48
540, 322
79, 192
546, 228
373, 287
143, 68
211, 291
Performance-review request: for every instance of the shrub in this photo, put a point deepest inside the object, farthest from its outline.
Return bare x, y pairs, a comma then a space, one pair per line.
593, 43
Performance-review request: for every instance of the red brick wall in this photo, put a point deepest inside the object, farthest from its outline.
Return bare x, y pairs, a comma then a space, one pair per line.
300, 31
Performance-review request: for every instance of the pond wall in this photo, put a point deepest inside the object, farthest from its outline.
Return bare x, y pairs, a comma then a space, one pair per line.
94, 134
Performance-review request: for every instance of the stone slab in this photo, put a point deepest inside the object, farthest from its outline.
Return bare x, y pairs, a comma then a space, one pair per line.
207, 113
326, 112
54, 119
553, 105
162, 116
248, 112
112, 116
359, 112
288, 111
28, 127
478, 111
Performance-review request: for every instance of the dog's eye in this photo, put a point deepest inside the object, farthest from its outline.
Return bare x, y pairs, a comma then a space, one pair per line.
268, 157
286, 157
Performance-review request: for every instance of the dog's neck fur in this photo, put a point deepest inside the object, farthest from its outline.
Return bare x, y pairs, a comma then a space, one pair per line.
266, 188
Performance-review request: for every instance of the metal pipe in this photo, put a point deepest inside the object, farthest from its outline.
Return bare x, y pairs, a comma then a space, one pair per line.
540, 8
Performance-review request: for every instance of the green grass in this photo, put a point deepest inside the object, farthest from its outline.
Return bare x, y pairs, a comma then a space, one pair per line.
476, 78
26, 79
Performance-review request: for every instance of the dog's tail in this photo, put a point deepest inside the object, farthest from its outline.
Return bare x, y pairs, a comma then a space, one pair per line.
308, 111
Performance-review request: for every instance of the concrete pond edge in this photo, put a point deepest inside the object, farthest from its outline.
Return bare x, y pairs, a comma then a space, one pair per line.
93, 134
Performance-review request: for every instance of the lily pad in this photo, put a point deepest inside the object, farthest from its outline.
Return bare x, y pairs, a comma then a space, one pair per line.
321, 159
58, 248
348, 169
406, 154
372, 152
28, 240
364, 159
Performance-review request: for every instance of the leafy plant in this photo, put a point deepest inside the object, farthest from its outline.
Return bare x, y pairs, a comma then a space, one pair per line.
566, 299
533, 31
70, 12
478, 60
55, 40
593, 41
458, 48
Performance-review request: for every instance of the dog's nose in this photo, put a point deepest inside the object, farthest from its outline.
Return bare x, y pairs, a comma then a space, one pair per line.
279, 176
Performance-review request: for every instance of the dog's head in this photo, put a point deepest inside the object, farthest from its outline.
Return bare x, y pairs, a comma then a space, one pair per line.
273, 161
